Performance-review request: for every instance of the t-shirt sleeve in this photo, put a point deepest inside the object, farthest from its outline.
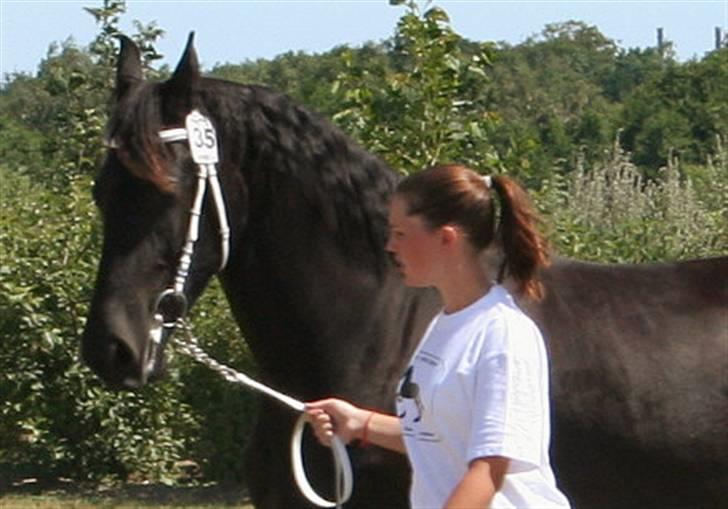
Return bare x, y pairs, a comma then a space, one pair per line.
507, 410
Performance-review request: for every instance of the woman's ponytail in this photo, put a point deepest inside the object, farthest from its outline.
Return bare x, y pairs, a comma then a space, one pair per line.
525, 249
453, 193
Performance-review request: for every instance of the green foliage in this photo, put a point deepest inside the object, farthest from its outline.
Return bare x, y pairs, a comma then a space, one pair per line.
545, 111
421, 113
306, 78
54, 416
57, 110
20, 147
67, 103
225, 412
679, 109
611, 212
632, 68
105, 47
548, 91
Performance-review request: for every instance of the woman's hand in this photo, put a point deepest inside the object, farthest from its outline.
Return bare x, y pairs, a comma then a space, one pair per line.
332, 416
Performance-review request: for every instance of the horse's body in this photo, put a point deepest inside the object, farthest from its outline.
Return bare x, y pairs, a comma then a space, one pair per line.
639, 364
638, 353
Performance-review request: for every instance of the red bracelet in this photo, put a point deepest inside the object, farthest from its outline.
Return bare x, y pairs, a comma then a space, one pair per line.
365, 434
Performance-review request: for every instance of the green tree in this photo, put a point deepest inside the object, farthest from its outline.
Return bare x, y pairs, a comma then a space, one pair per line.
681, 109
105, 47
55, 417
68, 100
421, 113
306, 78
632, 68
549, 92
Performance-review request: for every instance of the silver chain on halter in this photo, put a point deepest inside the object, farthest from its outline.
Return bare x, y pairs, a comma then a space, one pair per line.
189, 346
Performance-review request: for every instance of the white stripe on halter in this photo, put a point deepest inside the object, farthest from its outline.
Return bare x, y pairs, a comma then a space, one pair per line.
170, 135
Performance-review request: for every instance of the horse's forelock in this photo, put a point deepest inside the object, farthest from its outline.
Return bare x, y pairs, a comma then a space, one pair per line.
134, 133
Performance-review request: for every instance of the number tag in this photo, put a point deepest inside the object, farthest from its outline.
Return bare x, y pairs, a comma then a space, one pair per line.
202, 138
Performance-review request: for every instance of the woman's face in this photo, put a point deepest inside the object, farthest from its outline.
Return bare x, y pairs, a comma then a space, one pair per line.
413, 245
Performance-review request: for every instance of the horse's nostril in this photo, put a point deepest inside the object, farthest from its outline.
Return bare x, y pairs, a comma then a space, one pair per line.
113, 361
121, 355
126, 367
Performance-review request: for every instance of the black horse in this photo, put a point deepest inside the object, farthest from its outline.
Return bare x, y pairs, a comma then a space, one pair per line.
639, 353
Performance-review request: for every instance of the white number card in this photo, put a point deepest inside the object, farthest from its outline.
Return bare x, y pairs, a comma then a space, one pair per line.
202, 138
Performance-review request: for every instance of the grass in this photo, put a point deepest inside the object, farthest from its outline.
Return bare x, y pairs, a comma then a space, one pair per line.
67, 495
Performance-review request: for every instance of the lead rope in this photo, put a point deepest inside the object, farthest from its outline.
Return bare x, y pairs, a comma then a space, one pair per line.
202, 139
342, 465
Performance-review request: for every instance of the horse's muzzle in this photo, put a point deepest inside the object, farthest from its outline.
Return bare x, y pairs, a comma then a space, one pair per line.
119, 367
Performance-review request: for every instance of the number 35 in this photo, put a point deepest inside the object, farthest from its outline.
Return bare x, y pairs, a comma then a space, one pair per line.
204, 137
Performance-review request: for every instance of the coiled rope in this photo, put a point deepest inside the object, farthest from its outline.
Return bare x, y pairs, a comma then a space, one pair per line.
189, 346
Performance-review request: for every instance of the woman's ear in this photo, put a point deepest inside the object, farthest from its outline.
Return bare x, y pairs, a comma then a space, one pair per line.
450, 234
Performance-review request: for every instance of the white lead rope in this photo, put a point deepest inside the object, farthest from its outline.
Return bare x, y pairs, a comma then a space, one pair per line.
344, 477
202, 139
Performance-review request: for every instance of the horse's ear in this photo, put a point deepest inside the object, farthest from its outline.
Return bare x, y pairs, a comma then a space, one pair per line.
128, 67
178, 90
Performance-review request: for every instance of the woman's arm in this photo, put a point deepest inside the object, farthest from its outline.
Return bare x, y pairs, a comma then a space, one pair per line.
349, 422
385, 431
479, 484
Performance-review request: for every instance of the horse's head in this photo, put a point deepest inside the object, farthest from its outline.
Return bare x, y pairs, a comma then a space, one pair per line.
145, 192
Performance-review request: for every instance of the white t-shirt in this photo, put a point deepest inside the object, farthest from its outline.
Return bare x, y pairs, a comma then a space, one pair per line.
478, 386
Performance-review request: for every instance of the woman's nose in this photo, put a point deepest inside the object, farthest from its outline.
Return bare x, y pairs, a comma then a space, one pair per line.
390, 247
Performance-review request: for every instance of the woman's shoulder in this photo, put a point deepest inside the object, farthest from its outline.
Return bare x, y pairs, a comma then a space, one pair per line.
498, 309
504, 328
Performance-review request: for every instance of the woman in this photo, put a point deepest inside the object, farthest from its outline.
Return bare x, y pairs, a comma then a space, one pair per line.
473, 406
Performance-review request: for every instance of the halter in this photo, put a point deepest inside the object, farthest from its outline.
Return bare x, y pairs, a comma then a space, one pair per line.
200, 133
171, 305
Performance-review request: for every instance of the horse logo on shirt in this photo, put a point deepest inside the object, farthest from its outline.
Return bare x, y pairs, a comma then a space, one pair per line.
410, 390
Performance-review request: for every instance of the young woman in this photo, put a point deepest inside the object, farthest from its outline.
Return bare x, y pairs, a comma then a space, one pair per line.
473, 405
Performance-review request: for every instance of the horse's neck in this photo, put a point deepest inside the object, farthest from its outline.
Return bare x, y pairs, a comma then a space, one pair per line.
321, 312
317, 317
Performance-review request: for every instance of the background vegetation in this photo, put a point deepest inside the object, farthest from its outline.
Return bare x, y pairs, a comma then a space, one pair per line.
624, 149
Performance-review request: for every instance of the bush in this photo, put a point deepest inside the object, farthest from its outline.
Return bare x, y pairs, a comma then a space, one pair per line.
612, 213
55, 417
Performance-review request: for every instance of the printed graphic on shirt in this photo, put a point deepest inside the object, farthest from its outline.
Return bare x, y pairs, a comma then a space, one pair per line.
415, 397
410, 390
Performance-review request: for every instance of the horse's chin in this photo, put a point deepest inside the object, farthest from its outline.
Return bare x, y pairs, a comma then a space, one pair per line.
152, 371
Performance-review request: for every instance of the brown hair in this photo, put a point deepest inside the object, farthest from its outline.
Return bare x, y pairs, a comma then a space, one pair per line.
455, 194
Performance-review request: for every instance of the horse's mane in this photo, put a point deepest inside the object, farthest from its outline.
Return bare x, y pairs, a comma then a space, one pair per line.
347, 186
274, 138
